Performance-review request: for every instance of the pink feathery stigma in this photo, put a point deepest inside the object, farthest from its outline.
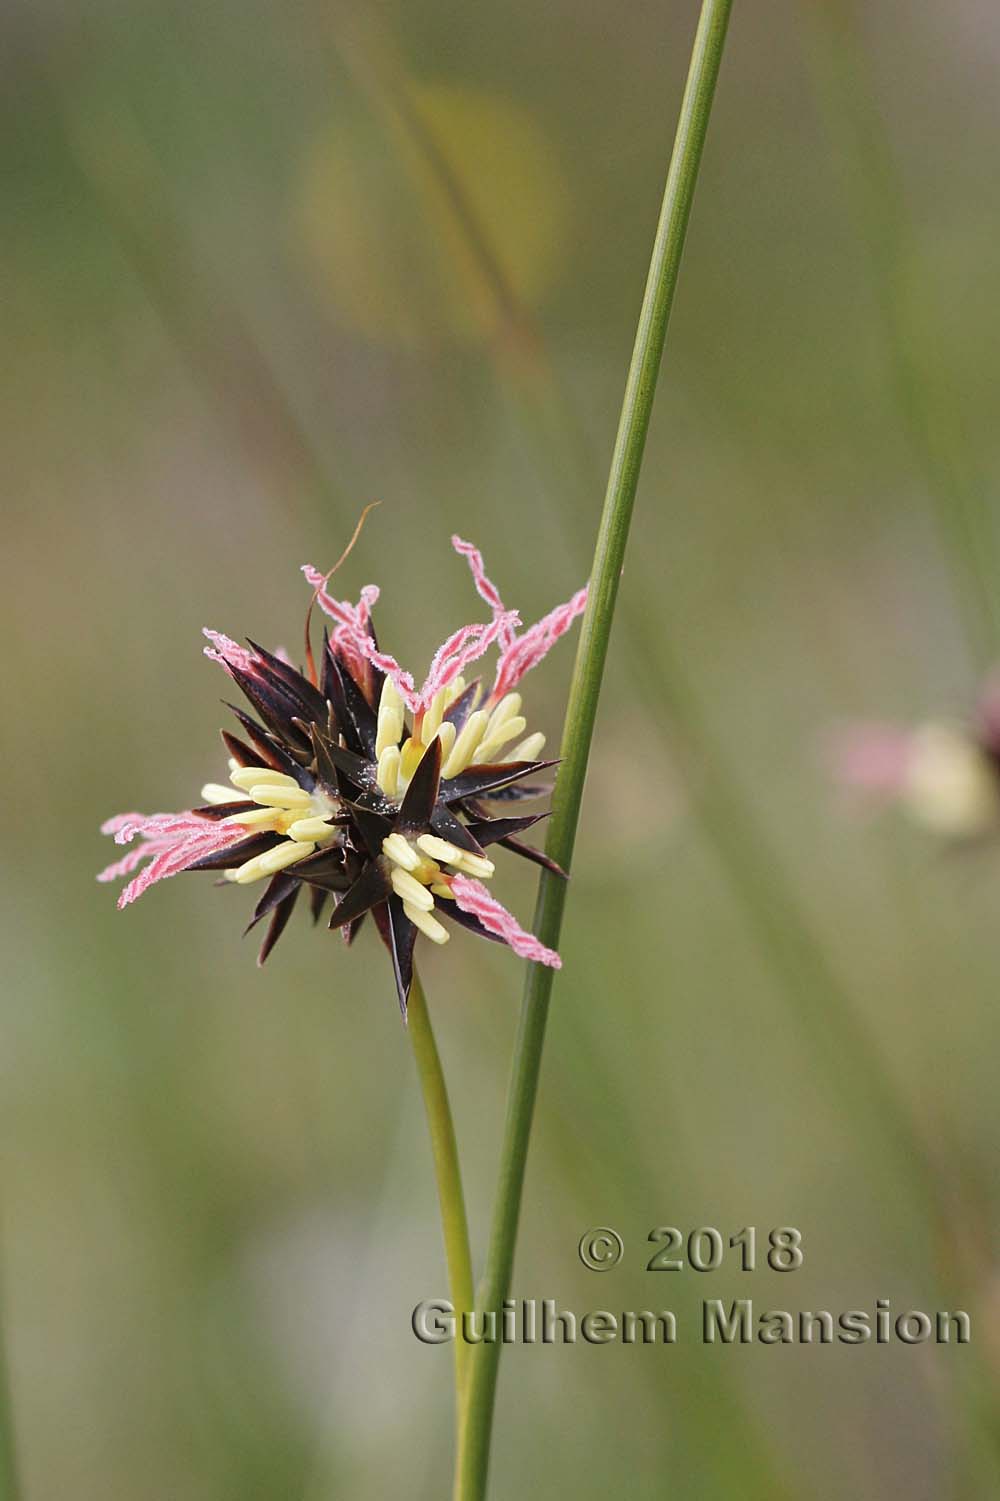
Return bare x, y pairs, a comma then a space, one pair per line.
351, 627
350, 635
485, 587
526, 651
127, 864
227, 652
352, 617
463, 648
871, 758
388, 664
473, 897
174, 840
120, 821
367, 600
345, 638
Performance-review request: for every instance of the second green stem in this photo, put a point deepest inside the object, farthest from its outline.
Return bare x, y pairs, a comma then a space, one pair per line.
581, 713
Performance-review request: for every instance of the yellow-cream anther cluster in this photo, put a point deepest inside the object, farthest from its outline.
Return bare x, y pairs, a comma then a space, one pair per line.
275, 803
417, 876
485, 737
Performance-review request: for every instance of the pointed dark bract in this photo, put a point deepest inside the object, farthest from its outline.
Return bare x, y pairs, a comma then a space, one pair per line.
356, 715
373, 829
276, 707
317, 901
239, 750
268, 751
218, 811
350, 930
399, 936
278, 923
422, 794
480, 781
333, 689
458, 712
492, 830
518, 793
358, 771
537, 857
446, 826
326, 769
328, 870
371, 887
278, 888
312, 702
237, 854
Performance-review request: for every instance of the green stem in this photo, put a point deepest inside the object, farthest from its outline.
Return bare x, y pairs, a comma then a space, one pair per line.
448, 1174
582, 710
9, 1487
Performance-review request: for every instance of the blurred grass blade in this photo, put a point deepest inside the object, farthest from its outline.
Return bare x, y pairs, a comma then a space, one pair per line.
848, 102
824, 1010
201, 311
582, 709
440, 197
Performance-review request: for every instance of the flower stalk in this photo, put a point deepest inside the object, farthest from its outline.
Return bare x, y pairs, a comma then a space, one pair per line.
454, 1224
581, 714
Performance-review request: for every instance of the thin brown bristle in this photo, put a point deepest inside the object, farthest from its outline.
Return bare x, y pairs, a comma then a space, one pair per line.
310, 658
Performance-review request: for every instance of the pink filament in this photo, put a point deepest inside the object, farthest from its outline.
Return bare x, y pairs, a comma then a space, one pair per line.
473, 897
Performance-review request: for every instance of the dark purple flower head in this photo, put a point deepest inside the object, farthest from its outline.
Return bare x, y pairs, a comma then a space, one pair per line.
349, 782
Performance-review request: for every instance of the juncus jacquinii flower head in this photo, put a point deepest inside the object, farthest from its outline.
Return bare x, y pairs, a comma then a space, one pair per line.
348, 781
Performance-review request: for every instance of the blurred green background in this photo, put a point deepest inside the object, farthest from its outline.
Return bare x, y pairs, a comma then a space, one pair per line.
265, 264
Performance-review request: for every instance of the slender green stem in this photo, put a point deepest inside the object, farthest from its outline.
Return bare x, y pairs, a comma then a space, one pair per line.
9, 1486
449, 1177
8, 1468
582, 710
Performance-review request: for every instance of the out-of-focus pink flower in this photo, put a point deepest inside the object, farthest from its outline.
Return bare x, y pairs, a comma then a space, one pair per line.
872, 758
945, 776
